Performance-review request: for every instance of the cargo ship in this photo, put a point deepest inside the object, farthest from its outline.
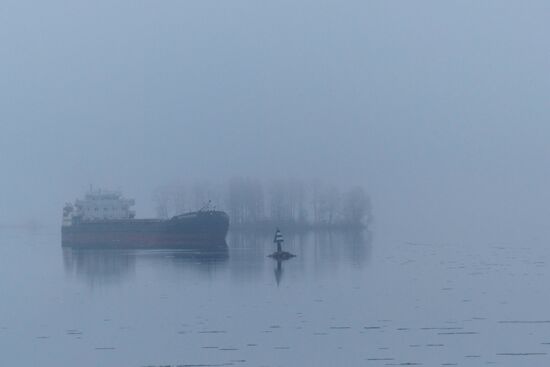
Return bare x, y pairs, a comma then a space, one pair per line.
104, 219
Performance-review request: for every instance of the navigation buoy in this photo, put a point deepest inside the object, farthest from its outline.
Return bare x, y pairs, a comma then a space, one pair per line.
280, 254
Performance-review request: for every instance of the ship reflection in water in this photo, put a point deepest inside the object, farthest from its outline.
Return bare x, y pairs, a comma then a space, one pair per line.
103, 266
279, 271
244, 259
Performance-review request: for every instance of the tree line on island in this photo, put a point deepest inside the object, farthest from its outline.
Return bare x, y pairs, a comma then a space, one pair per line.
254, 205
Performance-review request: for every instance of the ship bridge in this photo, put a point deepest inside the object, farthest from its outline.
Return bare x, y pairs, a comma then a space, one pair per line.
104, 205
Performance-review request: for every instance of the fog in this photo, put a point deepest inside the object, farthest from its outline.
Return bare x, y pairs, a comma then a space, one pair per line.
439, 109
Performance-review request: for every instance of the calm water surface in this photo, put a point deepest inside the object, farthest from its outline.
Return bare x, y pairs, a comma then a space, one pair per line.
354, 299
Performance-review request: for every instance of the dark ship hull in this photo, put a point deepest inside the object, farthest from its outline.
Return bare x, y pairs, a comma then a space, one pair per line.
197, 230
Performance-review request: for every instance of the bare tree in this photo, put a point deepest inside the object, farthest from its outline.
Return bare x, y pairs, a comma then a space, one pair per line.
330, 203
234, 201
201, 193
299, 198
316, 201
277, 202
162, 199
179, 198
356, 207
254, 200
286, 201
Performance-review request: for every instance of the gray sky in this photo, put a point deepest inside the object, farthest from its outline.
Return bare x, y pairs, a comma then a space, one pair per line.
440, 108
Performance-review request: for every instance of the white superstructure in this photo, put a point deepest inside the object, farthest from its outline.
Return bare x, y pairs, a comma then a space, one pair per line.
99, 205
